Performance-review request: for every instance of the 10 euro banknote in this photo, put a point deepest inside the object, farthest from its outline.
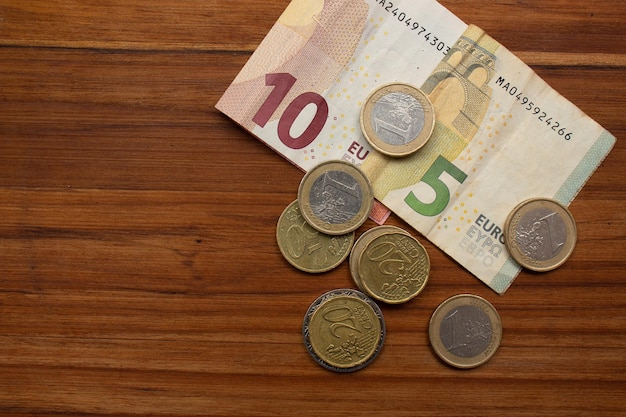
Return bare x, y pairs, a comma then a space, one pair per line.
502, 135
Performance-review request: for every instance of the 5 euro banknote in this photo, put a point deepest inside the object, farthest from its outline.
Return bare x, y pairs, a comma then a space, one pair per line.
502, 135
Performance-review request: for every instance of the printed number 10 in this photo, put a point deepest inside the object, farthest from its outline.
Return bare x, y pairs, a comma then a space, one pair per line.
283, 83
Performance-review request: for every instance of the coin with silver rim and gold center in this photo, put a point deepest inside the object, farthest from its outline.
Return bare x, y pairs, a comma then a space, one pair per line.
343, 330
335, 197
393, 266
540, 234
306, 248
397, 119
465, 331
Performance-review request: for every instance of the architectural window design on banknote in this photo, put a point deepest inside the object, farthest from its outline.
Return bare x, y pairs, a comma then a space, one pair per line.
466, 70
498, 124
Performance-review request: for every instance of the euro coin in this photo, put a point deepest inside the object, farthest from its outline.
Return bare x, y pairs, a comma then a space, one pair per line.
335, 197
540, 234
393, 267
343, 330
465, 331
360, 245
397, 119
307, 249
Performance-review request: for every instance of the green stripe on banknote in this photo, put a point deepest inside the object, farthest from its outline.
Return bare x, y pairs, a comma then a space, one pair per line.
585, 168
504, 278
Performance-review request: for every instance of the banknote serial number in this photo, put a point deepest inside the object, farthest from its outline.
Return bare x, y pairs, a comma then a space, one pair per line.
536, 110
414, 25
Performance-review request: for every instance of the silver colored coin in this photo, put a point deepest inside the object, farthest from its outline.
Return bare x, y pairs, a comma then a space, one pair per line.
343, 330
335, 197
465, 331
540, 234
397, 119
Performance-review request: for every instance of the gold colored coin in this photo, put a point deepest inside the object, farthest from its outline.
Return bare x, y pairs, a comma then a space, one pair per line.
307, 249
393, 267
465, 331
335, 197
397, 119
360, 245
343, 330
540, 234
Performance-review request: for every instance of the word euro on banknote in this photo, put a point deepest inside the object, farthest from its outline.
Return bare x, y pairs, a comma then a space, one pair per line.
502, 135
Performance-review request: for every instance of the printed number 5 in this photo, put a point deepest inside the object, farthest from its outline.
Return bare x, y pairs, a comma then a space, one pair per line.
442, 193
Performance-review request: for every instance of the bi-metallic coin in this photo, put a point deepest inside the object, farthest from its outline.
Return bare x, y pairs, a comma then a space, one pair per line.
306, 248
335, 197
391, 265
540, 234
397, 119
343, 330
465, 331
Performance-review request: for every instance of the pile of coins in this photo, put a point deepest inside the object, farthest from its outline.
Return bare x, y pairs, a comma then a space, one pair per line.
344, 329
389, 264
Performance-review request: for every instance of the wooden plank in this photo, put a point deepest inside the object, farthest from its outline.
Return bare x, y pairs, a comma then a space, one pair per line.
139, 272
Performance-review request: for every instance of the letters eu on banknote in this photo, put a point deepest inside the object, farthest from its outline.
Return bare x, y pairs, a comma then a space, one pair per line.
501, 134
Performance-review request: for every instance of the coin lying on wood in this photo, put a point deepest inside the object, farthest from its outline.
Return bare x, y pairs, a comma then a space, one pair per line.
397, 119
389, 264
465, 331
360, 245
343, 330
306, 248
540, 234
335, 197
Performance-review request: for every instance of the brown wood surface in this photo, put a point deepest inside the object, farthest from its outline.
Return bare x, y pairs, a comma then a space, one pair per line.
139, 273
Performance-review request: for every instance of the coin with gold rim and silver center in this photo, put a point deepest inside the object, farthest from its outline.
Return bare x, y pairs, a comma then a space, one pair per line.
335, 197
392, 266
397, 119
465, 331
343, 330
540, 234
306, 248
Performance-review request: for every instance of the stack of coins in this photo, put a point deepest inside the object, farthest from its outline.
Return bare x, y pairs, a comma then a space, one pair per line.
316, 232
344, 329
389, 264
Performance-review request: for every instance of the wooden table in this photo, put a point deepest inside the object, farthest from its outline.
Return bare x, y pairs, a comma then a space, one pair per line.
139, 272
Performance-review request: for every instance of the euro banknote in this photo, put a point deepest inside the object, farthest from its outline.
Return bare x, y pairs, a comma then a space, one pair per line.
501, 134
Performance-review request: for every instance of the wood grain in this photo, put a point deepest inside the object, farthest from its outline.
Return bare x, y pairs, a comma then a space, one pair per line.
139, 273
